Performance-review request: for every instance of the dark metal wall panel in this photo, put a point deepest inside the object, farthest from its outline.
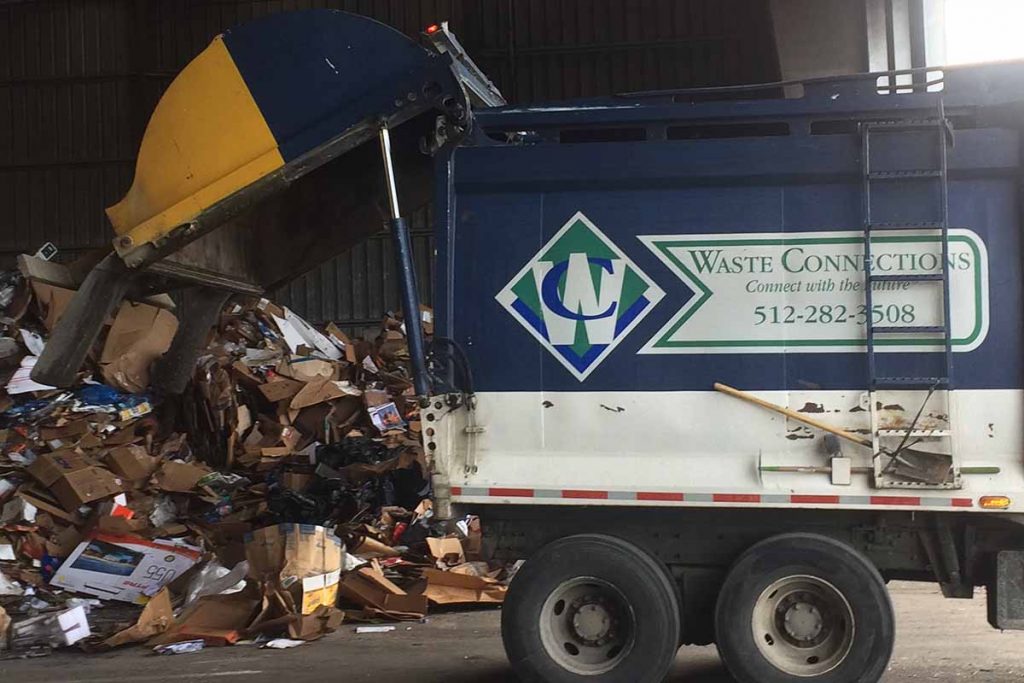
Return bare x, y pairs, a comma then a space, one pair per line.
66, 144
79, 78
543, 49
360, 286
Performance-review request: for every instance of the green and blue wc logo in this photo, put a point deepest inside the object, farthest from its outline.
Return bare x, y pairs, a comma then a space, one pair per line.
580, 296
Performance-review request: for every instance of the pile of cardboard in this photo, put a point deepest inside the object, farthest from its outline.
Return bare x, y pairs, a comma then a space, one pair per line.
285, 491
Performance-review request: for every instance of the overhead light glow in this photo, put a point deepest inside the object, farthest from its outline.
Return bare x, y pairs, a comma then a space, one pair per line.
984, 30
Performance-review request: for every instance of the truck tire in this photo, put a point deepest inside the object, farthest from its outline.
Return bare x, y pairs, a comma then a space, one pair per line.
803, 607
591, 608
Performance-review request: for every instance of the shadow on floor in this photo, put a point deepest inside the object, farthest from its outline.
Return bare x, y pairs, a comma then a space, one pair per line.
711, 672
690, 673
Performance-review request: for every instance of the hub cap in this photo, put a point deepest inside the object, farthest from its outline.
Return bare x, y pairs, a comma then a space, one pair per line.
803, 625
586, 626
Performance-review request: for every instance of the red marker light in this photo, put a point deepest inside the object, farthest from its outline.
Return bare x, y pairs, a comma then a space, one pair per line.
433, 28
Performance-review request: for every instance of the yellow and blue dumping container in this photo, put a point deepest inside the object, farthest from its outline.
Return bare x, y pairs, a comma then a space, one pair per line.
261, 161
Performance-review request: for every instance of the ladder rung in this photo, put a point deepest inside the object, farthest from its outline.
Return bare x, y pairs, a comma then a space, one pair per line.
926, 277
906, 124
908, 225
938, 433
913, 329
901, 175
911, 382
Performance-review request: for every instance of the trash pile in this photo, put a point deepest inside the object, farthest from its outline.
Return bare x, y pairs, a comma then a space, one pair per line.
286, 491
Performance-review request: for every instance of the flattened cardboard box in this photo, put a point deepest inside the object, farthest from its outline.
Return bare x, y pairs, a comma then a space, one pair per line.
88, 485
66, 431
179, 477
53, 300
369, 588
50, 467
45, 501
140, 334
448, 588
132, 462
216, 619
280, 389
125, 568
303, 559
156, 617
446, 550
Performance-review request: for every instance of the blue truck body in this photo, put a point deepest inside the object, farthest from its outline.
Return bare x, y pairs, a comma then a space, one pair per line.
783, 166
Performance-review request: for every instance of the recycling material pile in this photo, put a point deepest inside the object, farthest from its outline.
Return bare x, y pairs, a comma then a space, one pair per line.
286, 491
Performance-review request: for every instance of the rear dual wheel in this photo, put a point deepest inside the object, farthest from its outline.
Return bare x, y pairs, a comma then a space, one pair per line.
803, 607
591, 608
796, 608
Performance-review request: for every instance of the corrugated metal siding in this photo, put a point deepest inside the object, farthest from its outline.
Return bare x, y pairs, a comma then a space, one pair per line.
66, 141
541, 50
78, 79
358, 287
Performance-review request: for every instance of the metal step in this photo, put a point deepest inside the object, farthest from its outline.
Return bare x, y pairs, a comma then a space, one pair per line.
918, 329
904, 175
927, 277
911, 382
937, 433
908, 225
905, 124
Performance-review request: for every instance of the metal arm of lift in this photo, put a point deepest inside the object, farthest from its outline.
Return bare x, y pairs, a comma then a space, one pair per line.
406, 271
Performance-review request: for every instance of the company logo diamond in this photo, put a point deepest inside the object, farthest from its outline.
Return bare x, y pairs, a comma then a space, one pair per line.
580, 296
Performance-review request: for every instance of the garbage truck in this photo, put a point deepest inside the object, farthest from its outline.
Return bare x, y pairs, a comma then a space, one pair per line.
718, 363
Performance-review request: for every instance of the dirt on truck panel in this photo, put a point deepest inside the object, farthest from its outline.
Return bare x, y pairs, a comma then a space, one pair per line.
701, 368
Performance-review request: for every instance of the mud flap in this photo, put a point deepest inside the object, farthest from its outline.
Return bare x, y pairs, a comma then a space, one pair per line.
1006, 594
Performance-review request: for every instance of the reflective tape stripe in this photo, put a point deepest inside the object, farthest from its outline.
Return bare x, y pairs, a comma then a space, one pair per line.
591, 495
813, 500
911, 501
656, 495
803, 499
511, 493
735, 498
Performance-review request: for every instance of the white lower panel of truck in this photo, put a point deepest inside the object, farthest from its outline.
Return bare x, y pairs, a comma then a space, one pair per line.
708, 449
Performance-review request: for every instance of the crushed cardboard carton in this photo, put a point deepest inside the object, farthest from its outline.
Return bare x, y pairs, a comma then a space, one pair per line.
215, 619
303, 560
74, 479
446, 551
132, 463
157, 616
450, 588
369, 589
140, 334
179, 477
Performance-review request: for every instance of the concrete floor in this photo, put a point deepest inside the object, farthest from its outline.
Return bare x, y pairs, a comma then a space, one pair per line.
938, 640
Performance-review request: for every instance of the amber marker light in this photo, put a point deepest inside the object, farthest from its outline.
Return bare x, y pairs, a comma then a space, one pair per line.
994, 502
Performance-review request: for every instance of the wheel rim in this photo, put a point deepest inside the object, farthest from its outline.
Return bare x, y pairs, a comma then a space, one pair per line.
587, 626
803, 625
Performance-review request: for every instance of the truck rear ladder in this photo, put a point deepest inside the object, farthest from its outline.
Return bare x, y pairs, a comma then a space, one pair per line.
895, 465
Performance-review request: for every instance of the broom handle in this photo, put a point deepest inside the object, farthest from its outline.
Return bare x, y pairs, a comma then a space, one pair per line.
750, 398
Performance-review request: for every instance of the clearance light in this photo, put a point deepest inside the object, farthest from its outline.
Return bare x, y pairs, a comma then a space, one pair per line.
433, 28
994, 502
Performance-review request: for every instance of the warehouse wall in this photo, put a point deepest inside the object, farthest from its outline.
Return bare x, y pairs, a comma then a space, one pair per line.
820, 37
78, 79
